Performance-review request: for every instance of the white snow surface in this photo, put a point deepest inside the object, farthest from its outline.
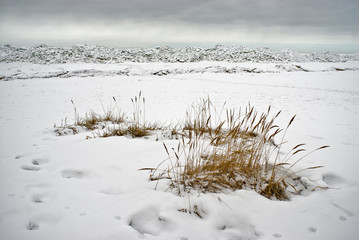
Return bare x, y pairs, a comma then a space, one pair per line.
70, 187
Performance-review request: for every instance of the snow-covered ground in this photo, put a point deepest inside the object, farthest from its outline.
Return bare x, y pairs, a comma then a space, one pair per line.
70, 187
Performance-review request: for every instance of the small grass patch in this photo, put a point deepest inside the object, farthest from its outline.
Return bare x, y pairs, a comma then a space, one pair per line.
112, 122
92, 120
133, 130
137, 127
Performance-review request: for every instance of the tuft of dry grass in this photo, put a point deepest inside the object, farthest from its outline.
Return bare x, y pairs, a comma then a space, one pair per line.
137, 127
92, 120
65, 128
130, 129
112, 122
236, 153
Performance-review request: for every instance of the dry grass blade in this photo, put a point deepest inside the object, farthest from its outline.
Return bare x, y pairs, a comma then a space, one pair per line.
291, 121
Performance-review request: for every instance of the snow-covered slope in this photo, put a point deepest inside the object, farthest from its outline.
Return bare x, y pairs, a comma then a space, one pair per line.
21, 70
42, 54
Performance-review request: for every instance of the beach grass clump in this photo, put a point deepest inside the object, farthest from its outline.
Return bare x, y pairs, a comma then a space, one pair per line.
239, 152
137, 126
131, 129
112, 122
93, 120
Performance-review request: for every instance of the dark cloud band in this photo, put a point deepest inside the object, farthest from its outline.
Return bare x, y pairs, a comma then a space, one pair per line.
327, 17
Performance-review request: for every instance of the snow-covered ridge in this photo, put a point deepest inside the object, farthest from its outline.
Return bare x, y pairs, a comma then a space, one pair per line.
16, 70
43, 54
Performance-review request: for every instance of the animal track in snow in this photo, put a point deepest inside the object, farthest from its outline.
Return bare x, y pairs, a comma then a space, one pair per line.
36, 199
332, 180
32, 226
19, 156
149, 221
350, 213
42, 197
71, 173
30, 168
35, 164
43, 220
277, 235
342, 218
39, 161
235, 227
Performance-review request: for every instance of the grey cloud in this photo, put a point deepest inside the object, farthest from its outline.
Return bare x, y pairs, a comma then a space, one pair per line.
294, 16
274, 12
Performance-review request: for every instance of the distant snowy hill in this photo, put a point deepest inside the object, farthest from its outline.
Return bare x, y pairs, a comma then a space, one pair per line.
43, 54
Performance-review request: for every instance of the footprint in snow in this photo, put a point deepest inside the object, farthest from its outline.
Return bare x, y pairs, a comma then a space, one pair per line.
71, 173
37, 199
233, 226
312, 229
277, 235
333, 180
149, 221
42, 197
35, 164
39, 161
30, 168
32, 226
43, 221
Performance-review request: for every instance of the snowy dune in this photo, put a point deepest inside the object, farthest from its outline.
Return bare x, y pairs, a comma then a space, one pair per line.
16, 70
70, 187
42, 54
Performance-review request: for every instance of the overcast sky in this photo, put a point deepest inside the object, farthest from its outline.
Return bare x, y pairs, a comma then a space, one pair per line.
130, 23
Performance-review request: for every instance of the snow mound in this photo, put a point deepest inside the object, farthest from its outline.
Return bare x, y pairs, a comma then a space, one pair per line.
43, 54
22, 71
